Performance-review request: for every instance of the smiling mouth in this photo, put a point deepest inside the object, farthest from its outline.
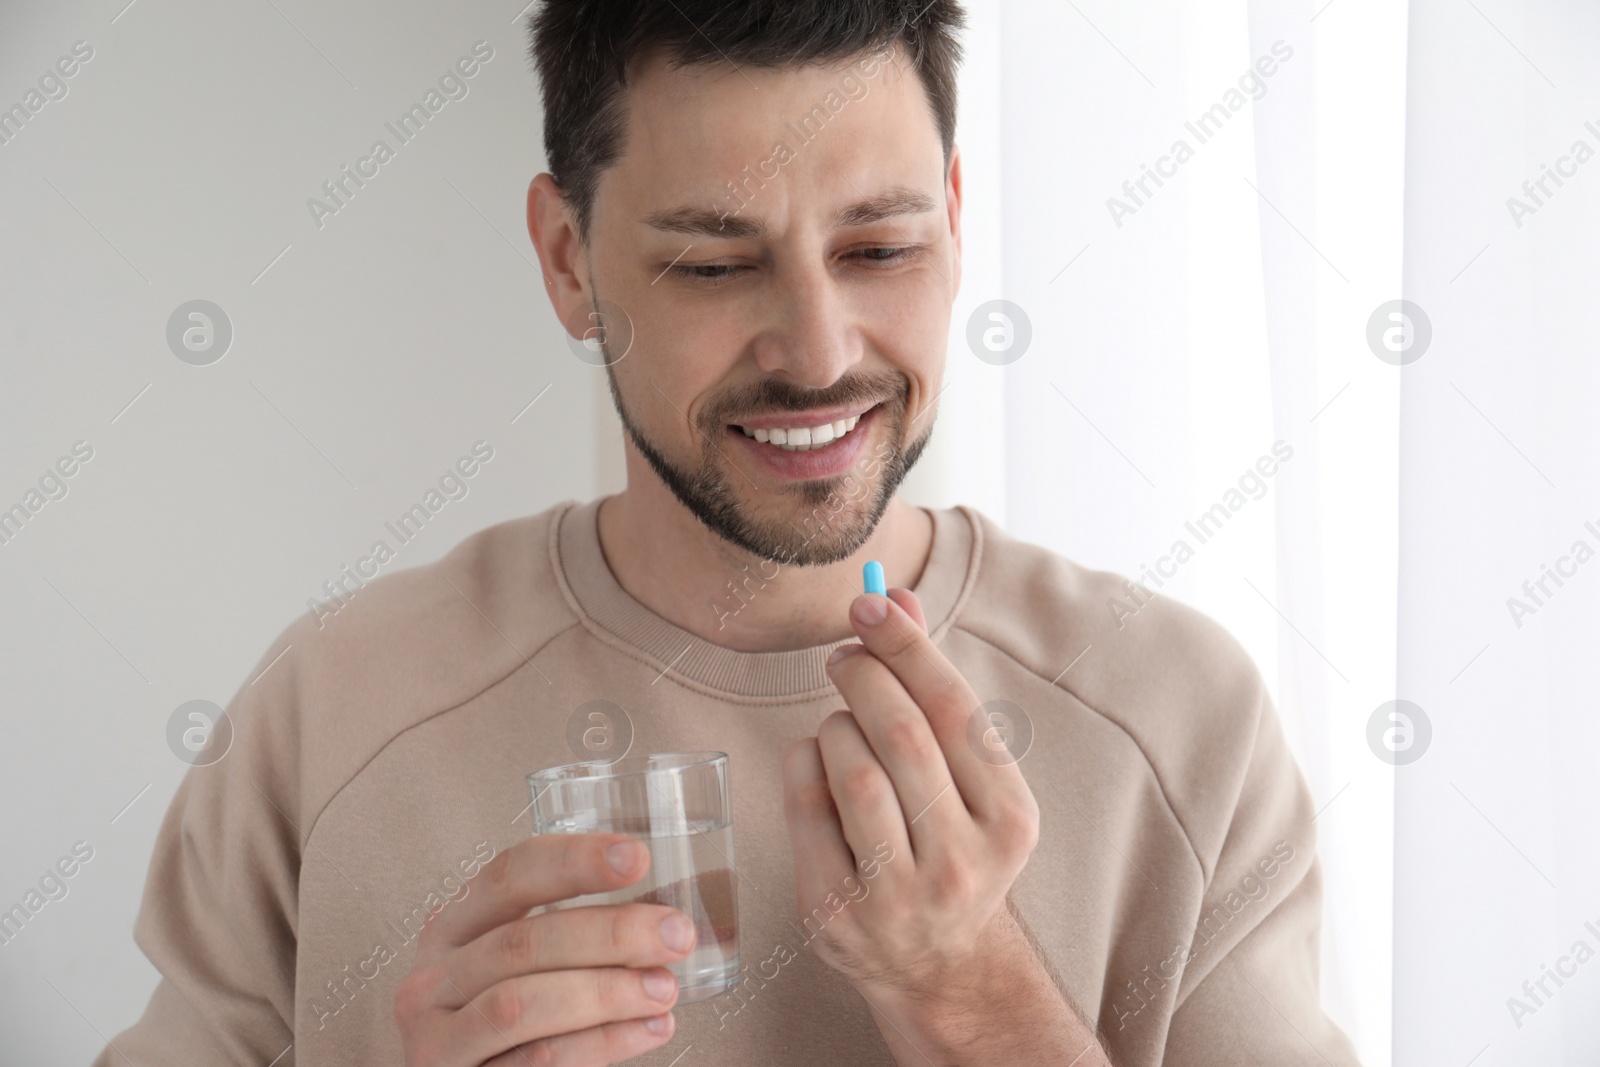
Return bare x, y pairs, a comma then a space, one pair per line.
805, 438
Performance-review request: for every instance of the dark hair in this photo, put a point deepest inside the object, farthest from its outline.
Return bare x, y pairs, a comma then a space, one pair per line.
581, 50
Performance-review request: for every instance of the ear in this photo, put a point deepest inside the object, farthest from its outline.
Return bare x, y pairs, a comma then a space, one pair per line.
952, 194
562, 256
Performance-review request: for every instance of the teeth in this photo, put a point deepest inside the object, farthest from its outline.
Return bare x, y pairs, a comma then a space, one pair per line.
805, 438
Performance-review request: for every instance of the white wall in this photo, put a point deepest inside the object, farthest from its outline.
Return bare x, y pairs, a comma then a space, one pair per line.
364, 361
1496, 865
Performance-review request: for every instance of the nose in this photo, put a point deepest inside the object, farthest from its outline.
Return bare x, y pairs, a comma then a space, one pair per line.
814, 338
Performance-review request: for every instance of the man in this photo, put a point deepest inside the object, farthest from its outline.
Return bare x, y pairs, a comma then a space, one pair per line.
978, 820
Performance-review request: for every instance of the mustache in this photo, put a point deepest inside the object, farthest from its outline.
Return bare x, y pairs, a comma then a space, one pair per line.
771, 396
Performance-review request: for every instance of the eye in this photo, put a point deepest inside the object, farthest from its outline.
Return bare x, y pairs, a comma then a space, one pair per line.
888, 255
711, 275
707, 273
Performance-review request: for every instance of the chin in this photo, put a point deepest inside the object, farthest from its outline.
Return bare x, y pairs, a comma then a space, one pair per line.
808, 532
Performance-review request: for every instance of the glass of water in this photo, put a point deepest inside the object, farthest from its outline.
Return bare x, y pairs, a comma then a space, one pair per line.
678, 805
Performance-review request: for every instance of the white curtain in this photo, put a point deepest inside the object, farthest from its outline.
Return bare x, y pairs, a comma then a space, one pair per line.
1440, 451
1186, 324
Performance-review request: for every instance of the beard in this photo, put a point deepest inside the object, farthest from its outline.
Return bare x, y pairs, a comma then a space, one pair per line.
809, 523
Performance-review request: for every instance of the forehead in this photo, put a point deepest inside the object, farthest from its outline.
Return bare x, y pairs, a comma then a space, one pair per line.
828, 131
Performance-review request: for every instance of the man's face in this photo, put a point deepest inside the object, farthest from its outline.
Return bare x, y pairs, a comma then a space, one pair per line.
778, 283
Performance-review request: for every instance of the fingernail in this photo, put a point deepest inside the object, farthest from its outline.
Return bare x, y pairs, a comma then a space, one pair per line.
659, 985
622, 856
871, 609
677, 931
841, 652
657, 1024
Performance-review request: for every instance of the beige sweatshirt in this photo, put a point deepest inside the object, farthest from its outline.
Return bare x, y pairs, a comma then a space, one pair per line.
377, 764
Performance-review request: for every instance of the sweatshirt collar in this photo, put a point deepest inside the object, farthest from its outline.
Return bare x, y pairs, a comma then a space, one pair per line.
612, 613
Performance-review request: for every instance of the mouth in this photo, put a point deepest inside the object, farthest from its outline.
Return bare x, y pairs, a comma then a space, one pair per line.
807, 445
803, 434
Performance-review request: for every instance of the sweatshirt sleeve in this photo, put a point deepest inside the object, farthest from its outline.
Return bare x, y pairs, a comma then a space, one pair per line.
1250, 991
218, 917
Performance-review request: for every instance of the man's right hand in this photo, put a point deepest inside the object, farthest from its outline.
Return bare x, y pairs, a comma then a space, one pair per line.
577, 987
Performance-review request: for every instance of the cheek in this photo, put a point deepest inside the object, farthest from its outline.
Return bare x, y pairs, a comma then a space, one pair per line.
912, 334
681, 361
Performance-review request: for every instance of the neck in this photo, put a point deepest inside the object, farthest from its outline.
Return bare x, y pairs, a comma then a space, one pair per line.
672, 564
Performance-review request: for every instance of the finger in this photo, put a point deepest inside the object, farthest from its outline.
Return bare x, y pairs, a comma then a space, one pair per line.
598, 935
535, 1006
594, 1047
869, 808
913, 607
541, 870
822, 856
948, 704
899, 736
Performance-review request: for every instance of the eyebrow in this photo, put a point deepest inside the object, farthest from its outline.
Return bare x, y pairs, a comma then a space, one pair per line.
703, 222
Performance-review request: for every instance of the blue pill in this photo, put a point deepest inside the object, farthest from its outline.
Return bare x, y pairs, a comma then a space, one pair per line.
872, 578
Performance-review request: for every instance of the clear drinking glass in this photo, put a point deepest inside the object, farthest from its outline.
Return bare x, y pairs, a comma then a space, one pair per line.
678, 805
